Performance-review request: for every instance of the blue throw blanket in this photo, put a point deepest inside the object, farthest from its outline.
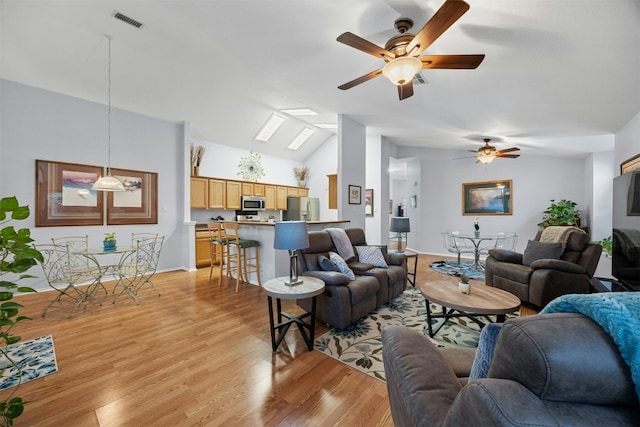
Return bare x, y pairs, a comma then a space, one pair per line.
618, 313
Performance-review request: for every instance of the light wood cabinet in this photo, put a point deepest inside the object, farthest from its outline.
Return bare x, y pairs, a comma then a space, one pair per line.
303, 192
199, 193
270, 197
281, 198
233, 195
259, 189
333, 191
217, 191
203, 249
292, 191
247, 189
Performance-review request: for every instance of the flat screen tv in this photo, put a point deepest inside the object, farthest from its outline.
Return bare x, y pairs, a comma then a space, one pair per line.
626, 230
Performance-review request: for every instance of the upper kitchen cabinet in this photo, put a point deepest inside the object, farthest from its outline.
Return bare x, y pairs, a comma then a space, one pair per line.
259, 190
247, 188
270, 197
217, 191
281, 198
199, 193
234, 191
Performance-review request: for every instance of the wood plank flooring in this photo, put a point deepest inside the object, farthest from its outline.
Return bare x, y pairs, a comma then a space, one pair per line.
200, 354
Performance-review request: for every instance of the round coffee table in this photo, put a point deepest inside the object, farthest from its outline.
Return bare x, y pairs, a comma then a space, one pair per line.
483, 300
276, 288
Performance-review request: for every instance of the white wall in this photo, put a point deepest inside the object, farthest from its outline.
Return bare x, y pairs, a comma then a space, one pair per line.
599, 193
322, 162
37, 124
351, 168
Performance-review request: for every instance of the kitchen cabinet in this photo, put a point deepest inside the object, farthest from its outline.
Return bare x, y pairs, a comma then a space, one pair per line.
199, 193
303, 192
333, 191
259, 189
203, 250
217, 191
281, 198
270, 197
292, 191
233, 195
247, 188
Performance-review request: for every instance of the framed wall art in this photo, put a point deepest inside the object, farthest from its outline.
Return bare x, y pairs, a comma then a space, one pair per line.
355, 195
64, 194
138, 204
630, 164
487, 198
368, 202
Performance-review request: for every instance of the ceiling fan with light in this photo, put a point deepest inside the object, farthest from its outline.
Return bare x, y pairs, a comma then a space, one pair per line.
402, 51
487, 153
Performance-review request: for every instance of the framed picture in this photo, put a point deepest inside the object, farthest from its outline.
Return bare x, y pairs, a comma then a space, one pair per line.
138, 204
633, 198
368, 202
64, 196
487, 198
355, 195
630, 164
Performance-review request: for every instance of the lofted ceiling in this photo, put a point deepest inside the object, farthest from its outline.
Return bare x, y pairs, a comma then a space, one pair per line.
556, 74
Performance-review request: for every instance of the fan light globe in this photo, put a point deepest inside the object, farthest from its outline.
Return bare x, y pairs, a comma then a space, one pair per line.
485, 158
402, 70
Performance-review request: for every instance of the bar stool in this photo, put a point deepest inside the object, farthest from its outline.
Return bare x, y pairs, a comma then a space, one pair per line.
217, 243
237, 257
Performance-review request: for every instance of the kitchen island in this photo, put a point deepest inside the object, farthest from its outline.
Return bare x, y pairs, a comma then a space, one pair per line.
273, 263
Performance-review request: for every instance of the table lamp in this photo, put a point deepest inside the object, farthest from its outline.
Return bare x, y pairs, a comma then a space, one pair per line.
291, 235
399, 225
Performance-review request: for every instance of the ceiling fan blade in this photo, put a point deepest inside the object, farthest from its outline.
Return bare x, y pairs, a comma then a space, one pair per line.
508, 150
451, 61
508, 156
366, 46
449, 13
405, 90
362, 79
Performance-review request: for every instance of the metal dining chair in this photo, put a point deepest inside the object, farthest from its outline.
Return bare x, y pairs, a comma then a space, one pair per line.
455, 244
79, 245
66, 270
136, 267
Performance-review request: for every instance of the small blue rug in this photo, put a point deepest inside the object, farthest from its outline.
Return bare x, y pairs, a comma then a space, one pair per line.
453, 269
36, 358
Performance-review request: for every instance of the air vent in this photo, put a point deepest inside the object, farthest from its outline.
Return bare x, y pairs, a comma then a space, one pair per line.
419, 79
126, 19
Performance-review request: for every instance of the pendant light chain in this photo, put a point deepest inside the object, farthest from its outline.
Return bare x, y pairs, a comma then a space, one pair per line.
109, 114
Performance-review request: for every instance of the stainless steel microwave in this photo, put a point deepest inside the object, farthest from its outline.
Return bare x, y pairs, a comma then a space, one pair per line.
253, 203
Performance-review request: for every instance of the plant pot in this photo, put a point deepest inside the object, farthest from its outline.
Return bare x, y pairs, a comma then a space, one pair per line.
109, 245
477, 233
302, 183
465, 288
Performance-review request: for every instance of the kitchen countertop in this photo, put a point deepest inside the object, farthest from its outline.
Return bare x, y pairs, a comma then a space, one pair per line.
271, 224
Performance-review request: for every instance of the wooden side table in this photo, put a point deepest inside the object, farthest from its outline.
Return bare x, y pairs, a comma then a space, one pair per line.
411, 275
309, 288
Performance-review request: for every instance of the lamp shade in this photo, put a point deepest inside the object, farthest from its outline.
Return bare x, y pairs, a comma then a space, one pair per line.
401, 70
291, 235
400, 224
108, 183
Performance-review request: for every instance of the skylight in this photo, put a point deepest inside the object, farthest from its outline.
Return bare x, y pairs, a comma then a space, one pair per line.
301, 138
269, 128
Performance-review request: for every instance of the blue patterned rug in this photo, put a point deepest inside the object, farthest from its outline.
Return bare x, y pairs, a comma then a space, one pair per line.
453, 269
360, 345
36, 358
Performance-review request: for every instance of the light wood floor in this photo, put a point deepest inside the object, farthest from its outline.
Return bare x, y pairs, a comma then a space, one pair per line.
198, 355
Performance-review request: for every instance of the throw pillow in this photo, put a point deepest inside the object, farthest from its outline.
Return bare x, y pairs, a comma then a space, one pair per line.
540, 250
484, 352
342, 266
371, 255
326, 264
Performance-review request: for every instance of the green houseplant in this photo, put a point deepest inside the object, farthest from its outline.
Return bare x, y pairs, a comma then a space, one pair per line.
109, 242
17, 256
563, 212
606, 244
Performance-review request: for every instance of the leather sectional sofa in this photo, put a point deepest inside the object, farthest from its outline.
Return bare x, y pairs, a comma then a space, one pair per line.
345, 301
558, 369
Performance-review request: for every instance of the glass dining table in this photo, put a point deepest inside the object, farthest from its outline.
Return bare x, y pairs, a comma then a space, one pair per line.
477, 241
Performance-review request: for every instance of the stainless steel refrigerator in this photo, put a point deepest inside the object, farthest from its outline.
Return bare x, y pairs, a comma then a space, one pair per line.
302, 209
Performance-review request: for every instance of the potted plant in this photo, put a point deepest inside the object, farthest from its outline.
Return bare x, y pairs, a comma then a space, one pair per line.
464, 285
563, 213
606, 245
17, 256
109, 242
301, 175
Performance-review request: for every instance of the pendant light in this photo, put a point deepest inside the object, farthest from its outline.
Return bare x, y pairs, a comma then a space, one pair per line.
108, 182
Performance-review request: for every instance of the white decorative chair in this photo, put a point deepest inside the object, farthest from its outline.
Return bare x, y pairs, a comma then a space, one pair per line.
455, 244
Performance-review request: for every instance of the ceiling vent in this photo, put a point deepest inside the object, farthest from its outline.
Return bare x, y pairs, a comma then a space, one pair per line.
127, 20
419, 79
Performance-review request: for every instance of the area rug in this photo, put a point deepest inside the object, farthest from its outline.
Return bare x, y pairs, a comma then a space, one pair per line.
36, 358
453, 269
360, 345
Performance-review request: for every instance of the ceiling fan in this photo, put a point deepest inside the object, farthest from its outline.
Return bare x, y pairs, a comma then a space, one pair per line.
487, 153
401, 52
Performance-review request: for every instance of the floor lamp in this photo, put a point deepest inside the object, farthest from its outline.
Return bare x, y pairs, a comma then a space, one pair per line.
399, 225
291, 235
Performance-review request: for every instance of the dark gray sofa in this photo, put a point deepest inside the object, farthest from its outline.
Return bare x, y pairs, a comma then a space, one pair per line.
343, 301
547, 370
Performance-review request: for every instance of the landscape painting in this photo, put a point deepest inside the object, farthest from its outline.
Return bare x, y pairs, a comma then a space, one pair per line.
487, 198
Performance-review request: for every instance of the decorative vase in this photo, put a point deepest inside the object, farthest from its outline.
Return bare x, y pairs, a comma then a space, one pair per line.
477, 233
109, 245
465, 288
302, 183
195, 170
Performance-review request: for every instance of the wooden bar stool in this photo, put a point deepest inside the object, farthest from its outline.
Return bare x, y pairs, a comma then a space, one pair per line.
237, 256
218, 244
